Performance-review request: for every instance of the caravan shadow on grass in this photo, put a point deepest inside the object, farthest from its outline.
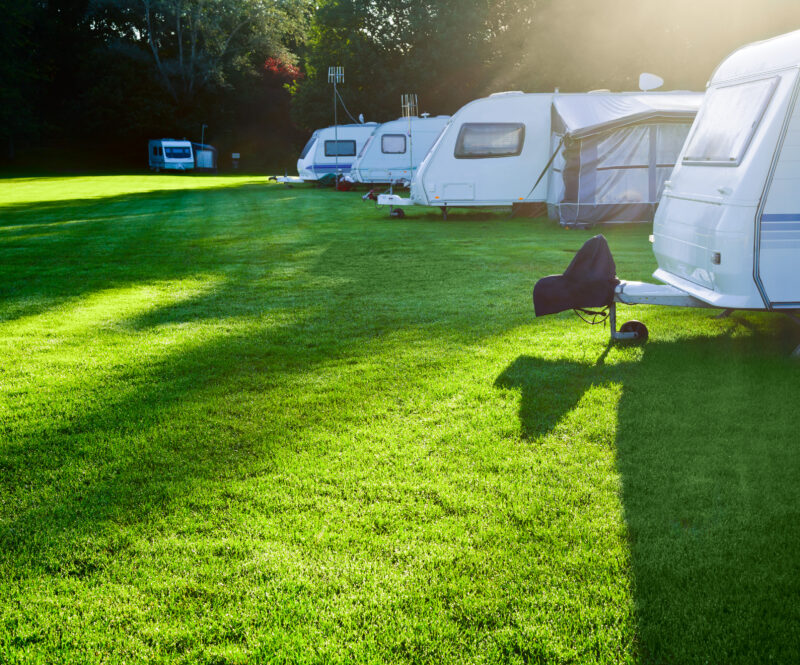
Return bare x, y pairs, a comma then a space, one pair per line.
708, 450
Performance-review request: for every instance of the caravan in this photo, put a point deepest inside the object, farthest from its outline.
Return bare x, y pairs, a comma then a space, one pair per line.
727, 230
590, 157
331, 151
170, 155
487, 155
612, 153
394, 151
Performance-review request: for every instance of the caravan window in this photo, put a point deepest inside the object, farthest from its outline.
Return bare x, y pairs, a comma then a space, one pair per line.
340, 148
489, 139
393, 144
178, 153
727, 121
308, 146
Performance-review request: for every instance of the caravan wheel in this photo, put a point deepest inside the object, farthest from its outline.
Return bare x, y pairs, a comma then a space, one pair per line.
635, 327
397, 212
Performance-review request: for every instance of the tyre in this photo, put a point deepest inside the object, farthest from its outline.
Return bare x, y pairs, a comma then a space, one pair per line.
635, 327
397, 212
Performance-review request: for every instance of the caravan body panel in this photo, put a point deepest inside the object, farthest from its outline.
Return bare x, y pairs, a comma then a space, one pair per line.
396, 149
333, 150
728, 226
489, 154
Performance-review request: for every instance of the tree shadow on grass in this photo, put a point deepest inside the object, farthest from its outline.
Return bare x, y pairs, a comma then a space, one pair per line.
708, 449
294, 298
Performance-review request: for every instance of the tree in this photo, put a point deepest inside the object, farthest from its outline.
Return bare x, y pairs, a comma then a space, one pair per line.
447, 51
17, 73
198, 44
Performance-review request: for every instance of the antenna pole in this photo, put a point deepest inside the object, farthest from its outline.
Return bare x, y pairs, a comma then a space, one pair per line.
408, 103
336, 126
336, 75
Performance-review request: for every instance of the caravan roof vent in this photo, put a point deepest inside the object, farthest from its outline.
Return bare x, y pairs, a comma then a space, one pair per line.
507, 93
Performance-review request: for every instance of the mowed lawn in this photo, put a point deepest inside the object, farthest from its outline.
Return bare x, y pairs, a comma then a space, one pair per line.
246, 423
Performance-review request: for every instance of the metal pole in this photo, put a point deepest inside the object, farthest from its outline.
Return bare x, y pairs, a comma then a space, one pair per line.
335, 127
410, 153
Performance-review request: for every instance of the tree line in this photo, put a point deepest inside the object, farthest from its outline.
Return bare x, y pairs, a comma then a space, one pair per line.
84, 83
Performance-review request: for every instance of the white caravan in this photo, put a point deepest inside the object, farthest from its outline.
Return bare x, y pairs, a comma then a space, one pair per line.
331, 151
170, 155
394, 151
488, 155
612, 153
727, 230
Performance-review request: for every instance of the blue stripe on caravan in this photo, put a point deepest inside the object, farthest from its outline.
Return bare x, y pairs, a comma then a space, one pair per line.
779, 227
331, 166
792, 217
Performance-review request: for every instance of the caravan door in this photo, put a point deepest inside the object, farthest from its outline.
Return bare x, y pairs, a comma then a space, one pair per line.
778, 246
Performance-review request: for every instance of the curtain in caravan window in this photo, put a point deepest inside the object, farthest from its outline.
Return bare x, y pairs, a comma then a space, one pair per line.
489, 139
393, 144
727, 121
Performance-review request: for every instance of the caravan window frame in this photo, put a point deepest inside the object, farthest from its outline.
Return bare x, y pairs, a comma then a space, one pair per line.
393, 136
309, 144
339, 153
460, 153
698, 130
177, 152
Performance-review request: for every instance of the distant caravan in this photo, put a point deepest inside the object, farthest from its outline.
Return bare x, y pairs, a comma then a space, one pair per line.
170, 155
727, 230
486, 156
395, 150
583, 158
331, 151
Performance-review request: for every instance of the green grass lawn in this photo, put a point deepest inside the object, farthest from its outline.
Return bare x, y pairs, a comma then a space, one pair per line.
245, 423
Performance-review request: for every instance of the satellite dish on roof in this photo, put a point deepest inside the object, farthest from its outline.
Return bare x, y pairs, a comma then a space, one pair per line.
649, 81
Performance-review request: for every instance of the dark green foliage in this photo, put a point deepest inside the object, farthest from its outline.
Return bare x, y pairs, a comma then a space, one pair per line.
453, 51
444, 51
88, 82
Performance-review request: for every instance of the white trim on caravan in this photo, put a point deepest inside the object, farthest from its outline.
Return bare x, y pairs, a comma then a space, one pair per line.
170, 155
322, 155
394, 151
727, 230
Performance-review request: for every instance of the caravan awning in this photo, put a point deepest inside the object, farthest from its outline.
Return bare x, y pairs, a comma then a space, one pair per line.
578, 116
